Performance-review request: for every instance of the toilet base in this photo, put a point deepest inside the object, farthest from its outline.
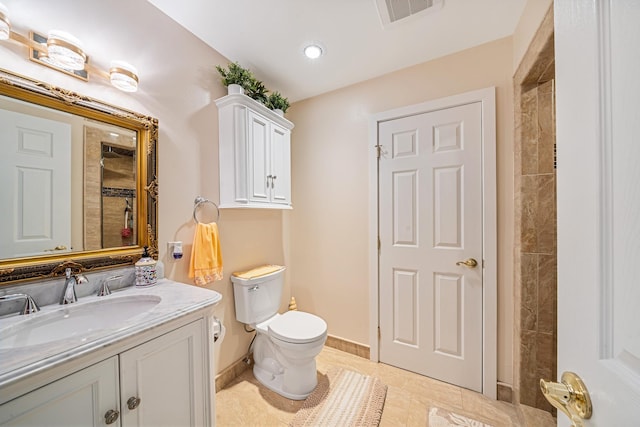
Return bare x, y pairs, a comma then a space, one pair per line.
275, 382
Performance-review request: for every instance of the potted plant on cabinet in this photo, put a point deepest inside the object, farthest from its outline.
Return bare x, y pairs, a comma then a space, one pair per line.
236, 78
256, 90
278, 103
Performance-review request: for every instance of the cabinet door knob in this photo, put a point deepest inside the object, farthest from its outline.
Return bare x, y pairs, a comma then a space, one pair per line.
111, 416
273, 178
133, 402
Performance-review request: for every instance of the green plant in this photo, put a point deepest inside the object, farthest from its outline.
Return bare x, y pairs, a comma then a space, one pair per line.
256, 90
235, 74
276, 101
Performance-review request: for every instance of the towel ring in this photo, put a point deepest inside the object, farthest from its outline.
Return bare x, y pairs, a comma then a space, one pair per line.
200, 200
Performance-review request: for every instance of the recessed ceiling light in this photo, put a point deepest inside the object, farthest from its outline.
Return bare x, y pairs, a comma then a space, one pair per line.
313, 51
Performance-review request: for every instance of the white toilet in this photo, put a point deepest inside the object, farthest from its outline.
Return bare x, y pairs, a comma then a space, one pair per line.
286, 345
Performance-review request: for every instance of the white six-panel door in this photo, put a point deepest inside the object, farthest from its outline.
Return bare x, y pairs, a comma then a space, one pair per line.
430, 220
598, 123
35, 172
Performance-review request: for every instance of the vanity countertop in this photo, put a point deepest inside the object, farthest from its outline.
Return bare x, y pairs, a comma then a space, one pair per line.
176, 300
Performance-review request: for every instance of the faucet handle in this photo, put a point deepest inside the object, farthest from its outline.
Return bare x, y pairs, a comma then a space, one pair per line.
104, 287
30, 306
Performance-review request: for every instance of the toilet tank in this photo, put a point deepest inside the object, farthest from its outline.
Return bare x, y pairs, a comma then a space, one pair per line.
257, 293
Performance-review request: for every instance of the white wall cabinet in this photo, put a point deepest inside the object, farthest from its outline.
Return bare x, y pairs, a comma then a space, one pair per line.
167, 374
254, 155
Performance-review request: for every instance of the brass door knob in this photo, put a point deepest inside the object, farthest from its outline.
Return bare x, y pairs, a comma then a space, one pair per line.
57, 248
570, 396
471, 263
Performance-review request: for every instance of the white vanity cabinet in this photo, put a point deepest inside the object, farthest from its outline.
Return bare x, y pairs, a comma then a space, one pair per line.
254, 155
167, 374
80, 399
165, 381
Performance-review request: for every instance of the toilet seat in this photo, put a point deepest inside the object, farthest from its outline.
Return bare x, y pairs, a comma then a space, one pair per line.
297, 327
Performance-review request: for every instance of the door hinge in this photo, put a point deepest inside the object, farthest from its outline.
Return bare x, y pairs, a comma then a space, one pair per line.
379, 244
378, 150
379, 335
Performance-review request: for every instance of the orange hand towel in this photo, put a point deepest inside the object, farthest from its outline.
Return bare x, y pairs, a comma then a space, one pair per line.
206, 256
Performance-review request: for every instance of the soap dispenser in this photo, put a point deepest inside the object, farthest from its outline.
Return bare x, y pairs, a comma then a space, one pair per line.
146, 270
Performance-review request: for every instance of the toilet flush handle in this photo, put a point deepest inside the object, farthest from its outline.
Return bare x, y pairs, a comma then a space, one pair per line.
254, 288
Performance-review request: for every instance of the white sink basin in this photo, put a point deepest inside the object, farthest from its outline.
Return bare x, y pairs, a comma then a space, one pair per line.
76, 321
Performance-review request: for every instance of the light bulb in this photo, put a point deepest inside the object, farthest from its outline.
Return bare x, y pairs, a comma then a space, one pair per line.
65, 51
123, 76
5, 25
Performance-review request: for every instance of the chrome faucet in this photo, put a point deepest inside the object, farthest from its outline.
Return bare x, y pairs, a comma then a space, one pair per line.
69, 293
105, 289
30, 305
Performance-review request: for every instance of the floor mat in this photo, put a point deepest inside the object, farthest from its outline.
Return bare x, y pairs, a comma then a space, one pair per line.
439, 417
343, 398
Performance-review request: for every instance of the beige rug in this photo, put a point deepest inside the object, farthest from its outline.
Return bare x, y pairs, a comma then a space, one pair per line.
343, 398
439, 417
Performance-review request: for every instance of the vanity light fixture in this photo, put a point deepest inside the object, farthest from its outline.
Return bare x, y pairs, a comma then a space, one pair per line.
313, 51
63, 52
5, 25
124, 76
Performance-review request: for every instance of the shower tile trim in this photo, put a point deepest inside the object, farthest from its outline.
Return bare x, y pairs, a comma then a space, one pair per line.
534, 69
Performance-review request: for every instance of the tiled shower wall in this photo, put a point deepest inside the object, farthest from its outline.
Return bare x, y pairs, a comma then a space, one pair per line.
103, 222
538, 272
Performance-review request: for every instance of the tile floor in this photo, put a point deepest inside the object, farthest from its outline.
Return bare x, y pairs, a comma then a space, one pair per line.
245, 402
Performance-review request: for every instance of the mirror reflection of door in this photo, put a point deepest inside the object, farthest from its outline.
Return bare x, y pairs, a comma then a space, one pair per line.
35, 177
118, 196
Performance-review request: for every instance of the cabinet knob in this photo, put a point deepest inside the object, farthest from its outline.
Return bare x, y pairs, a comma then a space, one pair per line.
111, 416
273, 179
133, 402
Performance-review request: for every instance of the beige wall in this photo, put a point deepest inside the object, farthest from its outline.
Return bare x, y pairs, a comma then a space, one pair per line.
330, 160
178, 86
532, 15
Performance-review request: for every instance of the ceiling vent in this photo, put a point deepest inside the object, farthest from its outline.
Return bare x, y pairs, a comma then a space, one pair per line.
392, 11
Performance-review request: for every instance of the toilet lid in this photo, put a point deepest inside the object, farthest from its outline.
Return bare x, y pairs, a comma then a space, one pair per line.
297, 327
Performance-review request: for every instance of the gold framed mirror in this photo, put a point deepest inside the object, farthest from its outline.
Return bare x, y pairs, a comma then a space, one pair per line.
78, 182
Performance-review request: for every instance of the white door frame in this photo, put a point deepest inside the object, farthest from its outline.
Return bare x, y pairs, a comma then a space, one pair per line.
490, 301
